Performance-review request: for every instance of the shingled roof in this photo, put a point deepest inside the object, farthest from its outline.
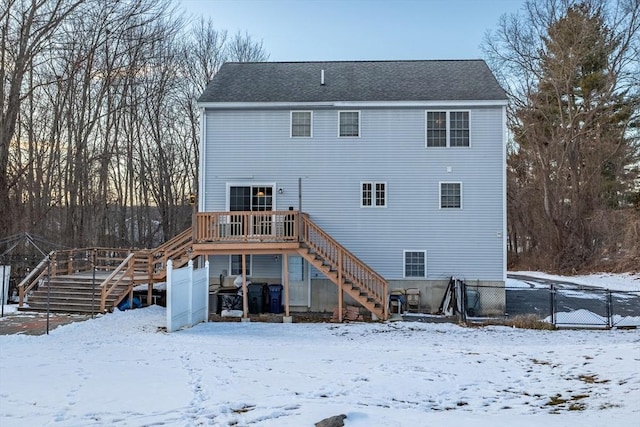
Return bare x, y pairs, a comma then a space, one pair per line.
364, 81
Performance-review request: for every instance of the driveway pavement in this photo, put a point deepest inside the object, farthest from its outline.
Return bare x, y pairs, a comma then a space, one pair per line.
568, 297
31, 323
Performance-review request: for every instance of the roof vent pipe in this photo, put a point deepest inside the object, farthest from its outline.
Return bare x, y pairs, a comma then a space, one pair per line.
322, 77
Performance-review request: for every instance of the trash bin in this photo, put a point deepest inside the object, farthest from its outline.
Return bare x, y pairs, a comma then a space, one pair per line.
275, 299
255, 292
265, 298
213, 302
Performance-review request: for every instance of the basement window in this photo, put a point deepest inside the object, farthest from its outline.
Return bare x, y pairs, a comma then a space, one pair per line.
236, 265
415, 263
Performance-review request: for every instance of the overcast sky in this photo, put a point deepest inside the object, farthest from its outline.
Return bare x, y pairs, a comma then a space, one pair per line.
320, 30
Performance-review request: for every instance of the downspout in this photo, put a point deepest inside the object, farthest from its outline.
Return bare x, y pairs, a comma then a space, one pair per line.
299, 209
202, 147
504, 194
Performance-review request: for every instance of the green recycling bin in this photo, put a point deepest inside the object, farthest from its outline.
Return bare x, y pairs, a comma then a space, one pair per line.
255, 293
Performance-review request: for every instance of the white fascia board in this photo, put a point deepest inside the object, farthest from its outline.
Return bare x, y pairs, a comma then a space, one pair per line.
353, 104
260, 105
421, 104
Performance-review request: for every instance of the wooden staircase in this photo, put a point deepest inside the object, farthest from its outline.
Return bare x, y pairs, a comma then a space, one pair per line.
349, 273
65, 281
76, 293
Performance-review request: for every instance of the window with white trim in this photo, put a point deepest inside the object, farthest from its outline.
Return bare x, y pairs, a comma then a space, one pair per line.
373, 194
447, 129
415, 263
349, 123
459, 129
301, 124
236, 265
450, 195
436, 129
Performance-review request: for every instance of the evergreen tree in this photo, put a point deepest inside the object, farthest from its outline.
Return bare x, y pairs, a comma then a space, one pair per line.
574, 150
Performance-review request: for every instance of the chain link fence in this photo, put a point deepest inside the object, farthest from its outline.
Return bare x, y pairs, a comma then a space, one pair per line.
559, 305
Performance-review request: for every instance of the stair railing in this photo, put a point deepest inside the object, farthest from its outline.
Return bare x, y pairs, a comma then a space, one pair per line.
175, 248
33, 278
114, 279
344, 262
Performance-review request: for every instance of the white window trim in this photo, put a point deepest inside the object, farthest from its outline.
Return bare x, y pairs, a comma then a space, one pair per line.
359, 123
404, 264
448, 129
250, 265
291, 123
373, 194
440, 195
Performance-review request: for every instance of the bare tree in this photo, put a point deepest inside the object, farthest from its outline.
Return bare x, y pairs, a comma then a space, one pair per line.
242, 48
26, 32
99, 121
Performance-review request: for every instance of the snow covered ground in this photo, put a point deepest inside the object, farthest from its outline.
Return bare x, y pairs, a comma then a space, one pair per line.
122, 369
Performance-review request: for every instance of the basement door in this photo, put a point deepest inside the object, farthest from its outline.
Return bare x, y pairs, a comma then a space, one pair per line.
298, 282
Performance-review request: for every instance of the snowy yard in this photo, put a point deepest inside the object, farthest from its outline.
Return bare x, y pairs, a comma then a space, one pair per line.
123, 370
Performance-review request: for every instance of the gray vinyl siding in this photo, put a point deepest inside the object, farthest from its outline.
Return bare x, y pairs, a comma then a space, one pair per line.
245, 146
262, 266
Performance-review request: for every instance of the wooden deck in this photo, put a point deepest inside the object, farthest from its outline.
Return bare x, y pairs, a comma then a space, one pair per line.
222, 233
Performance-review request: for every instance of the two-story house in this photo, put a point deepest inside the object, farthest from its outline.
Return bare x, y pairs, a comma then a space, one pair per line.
369, 175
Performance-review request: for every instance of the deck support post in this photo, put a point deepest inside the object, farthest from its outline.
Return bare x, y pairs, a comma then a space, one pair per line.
340, 293
245, 297
150, 293
150, 276
285, 258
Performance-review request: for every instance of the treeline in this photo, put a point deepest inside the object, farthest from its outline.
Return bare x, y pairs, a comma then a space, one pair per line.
572, 71
99, 127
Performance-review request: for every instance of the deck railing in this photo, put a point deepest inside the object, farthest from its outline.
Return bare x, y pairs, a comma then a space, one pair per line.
79, 260
108, 286
265, 226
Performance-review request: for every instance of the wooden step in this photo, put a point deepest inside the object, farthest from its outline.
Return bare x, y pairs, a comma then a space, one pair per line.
73, 295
